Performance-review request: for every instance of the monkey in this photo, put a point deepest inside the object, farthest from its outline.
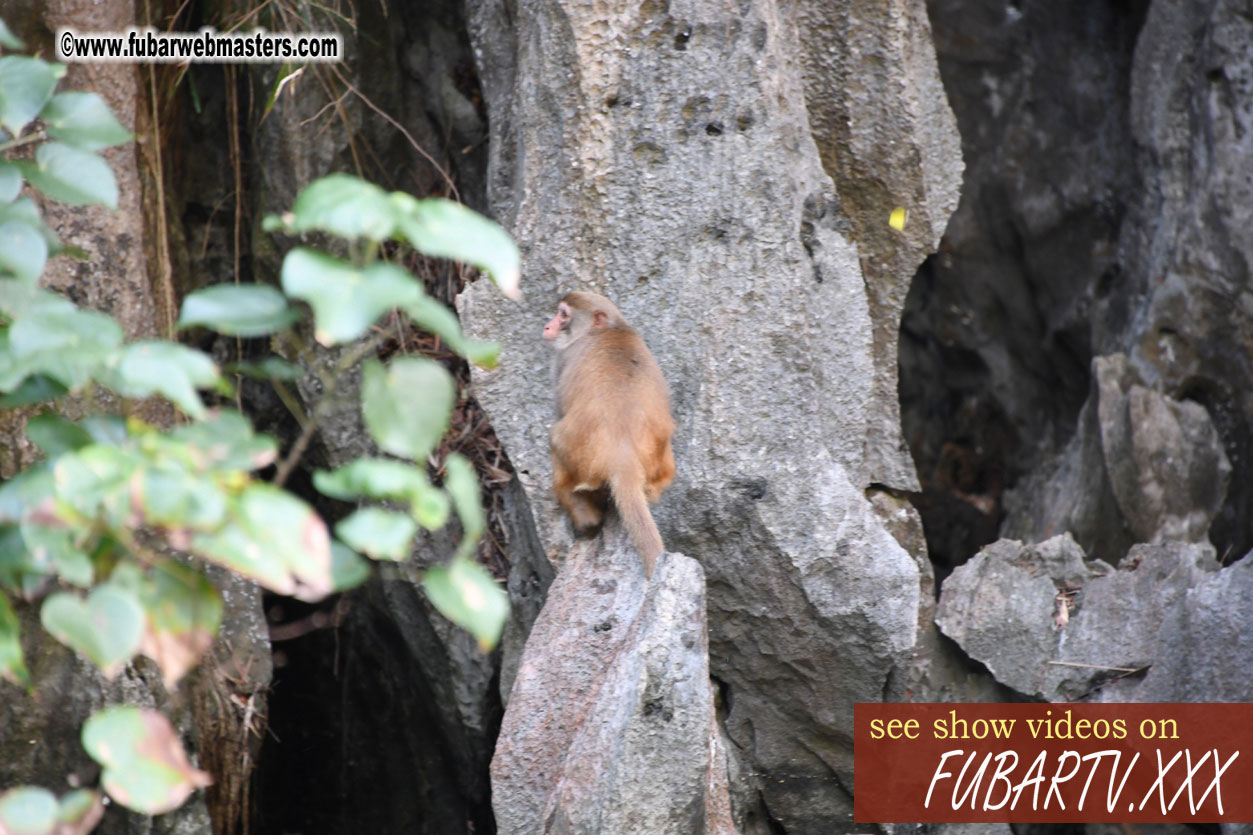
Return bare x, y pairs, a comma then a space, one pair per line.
613, 435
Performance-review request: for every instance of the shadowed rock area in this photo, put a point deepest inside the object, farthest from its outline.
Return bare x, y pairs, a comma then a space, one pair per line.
1086, 323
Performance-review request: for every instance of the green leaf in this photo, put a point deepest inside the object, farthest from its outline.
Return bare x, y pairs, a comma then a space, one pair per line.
345, 301
95, 480
54, 434
16, 570
444, 229
407, 404
238, 310
12, 666
8, 39
18, 300
183, 612
83, 119
25, 85
435, 317
106, 429
23, 251
158, 367
71, 175
52, 329
106, 627
374, 478
128, 575
145, 767
66, 344
431, 508
27, 491
383, 478
224, 442
270, 368
25, 210
54, 548
348, 569
467, 595
37, 388
345, 206
28, 810
379, 534
463, 486
80, 811
173, 498
277, 540
10, 179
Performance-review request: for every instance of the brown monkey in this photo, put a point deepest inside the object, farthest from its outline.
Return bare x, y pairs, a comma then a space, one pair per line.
615, 424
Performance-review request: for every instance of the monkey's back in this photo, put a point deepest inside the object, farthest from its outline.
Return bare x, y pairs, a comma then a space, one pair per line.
615, 402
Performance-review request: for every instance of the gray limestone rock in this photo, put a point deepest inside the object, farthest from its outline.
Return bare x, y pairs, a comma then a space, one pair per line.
1165, 460
1002, 613
611, 722
1063, 629
1106, 210
1203, 649
667, 156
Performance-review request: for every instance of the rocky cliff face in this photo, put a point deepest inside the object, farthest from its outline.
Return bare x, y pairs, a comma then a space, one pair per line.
1105, 212
1086, 326
707, 169
1074, 362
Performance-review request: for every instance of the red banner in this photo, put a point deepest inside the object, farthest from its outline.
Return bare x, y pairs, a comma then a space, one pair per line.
1053, 763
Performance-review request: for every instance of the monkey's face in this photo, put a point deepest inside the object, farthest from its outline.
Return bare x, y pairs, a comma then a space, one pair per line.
557, 324
575, 318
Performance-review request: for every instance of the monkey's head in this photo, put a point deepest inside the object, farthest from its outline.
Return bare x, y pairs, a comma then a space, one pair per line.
579, 313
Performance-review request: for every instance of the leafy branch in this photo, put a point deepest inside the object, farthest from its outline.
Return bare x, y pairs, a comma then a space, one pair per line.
109, 533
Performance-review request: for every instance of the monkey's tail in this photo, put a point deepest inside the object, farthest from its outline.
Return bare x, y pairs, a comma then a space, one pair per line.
628, 494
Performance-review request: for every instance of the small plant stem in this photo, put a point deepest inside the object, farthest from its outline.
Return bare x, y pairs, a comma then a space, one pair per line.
37, 136
330, 383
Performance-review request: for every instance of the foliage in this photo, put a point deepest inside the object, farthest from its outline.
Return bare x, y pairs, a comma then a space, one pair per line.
110, 530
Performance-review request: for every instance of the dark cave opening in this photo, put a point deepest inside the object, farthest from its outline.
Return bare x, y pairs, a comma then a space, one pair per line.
997, 332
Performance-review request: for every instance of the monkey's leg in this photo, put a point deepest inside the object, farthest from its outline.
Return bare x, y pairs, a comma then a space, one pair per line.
585, 508
661, 473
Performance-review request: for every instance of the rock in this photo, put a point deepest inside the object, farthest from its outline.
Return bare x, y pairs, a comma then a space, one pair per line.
1202, 651
1165, 461
1143, 467
1001, 613
1115, 618
667, 157
1049, 625
1071, 492
530, 575
886, 136
996, 338
611, 723
1088, 237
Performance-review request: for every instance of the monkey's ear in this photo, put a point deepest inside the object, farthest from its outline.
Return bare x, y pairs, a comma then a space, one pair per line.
599, 318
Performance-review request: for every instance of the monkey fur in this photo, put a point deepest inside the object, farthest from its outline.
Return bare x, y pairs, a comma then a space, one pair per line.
613, 437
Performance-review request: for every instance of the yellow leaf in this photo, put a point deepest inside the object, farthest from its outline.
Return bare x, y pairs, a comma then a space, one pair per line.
897, 219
